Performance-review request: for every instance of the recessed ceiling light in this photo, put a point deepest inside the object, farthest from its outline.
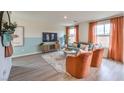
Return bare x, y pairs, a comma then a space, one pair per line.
65, 17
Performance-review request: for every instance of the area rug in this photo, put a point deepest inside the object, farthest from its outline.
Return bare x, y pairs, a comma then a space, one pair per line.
56, 59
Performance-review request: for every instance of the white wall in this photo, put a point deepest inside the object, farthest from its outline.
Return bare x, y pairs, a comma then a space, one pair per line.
5, 64
83, 32
35, 28
33, 32
123, 41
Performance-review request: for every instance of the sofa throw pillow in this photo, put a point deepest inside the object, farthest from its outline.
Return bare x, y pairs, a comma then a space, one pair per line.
80, 51
75, 45
82, 46
86, 48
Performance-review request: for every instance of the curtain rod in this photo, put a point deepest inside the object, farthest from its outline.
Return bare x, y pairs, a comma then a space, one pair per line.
106, 19
72, 25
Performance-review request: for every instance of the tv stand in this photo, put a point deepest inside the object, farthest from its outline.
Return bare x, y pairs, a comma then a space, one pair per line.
50, 47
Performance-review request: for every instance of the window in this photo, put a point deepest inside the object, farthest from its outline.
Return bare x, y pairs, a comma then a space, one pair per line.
72, 35
103, 34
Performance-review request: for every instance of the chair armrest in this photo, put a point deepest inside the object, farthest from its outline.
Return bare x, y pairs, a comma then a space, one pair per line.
71, 56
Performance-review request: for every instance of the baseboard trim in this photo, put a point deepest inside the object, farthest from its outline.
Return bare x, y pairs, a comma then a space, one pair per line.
28, 54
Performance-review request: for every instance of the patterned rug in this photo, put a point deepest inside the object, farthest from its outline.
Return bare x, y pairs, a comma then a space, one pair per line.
56, 59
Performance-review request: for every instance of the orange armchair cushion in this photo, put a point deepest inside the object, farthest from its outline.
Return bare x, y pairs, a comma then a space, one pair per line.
79, 66
97, 57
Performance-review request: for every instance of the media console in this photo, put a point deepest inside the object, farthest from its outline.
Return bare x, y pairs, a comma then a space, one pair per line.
50, 47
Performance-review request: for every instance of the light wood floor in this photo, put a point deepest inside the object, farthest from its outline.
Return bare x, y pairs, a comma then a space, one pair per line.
35, 68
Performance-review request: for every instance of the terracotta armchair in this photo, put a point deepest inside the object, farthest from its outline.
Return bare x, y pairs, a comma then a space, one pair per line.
97, 57
79, 66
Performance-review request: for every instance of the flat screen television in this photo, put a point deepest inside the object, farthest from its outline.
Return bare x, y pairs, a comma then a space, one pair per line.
49, 37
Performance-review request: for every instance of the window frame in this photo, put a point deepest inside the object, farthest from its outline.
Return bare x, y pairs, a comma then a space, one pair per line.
103, 35
72, 27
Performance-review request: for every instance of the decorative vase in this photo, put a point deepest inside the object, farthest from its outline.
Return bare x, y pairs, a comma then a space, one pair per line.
6, 39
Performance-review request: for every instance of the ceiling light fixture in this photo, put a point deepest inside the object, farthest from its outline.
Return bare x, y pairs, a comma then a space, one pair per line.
65, 17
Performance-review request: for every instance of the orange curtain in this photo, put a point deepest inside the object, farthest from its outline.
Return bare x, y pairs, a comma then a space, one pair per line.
77, 33
76, 28
116, 39
67, 32
91, 34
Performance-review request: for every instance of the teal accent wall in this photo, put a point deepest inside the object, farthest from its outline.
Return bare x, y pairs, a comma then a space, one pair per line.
30, 46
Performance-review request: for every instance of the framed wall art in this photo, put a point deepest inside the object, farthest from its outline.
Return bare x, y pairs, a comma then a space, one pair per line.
19, 33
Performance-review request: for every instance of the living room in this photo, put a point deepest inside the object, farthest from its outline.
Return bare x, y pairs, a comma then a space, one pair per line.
36, 56
51, 46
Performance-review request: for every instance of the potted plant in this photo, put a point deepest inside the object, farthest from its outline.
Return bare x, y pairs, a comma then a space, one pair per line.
7, 33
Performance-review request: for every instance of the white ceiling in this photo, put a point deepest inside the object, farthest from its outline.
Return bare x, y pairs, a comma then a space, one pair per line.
56, 17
